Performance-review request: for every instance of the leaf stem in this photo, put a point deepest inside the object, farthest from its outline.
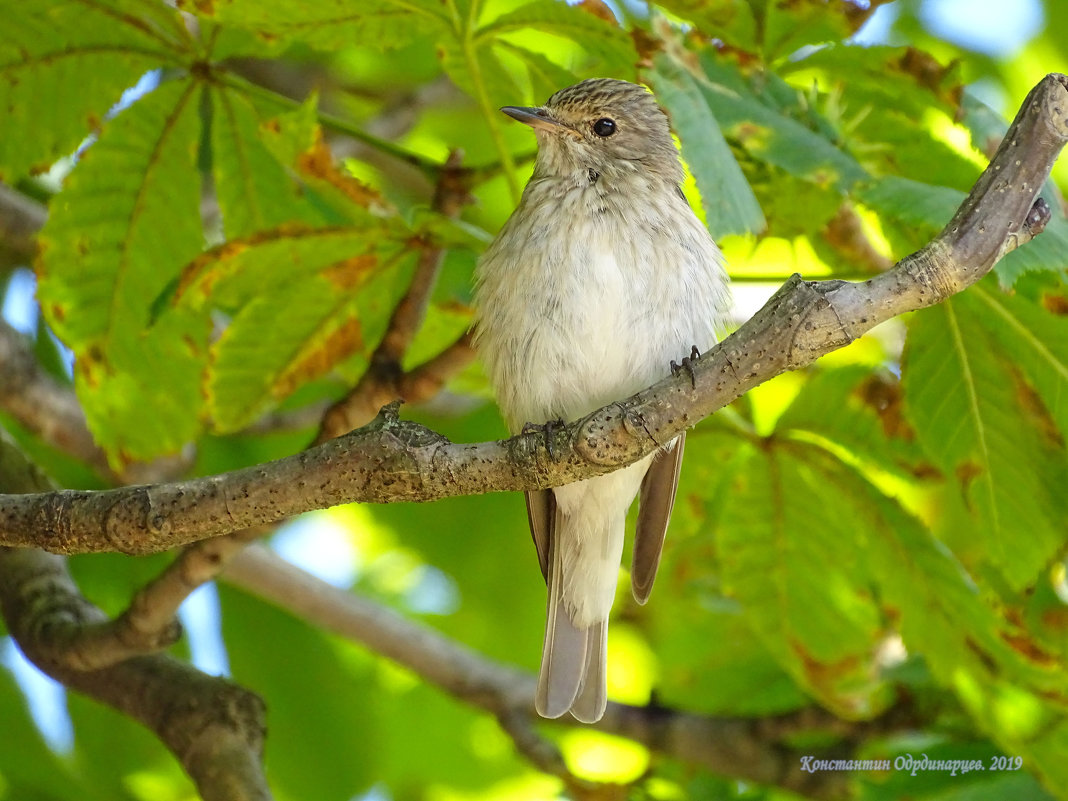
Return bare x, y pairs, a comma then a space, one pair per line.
429, 167
482, 96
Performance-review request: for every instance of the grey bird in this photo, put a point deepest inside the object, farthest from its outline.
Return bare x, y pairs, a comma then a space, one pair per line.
601, 276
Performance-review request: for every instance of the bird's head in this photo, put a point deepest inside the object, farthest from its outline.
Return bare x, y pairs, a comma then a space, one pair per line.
604, 126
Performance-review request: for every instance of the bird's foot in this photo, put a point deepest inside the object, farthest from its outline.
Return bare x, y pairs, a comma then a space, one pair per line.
686, 364
548, 430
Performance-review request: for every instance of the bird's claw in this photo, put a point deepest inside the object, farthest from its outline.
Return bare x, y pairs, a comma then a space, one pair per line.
686, 364
548, 429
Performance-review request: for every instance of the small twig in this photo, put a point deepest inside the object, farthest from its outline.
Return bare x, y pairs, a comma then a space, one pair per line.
424, 381
539, 751
149, 624
21, 218
845, 233
385, 380
50, 411
41, 404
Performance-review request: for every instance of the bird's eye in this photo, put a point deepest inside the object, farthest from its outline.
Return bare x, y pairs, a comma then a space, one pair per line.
604, 127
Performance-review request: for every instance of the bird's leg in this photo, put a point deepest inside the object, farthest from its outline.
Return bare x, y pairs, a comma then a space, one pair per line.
548, 429
687, 364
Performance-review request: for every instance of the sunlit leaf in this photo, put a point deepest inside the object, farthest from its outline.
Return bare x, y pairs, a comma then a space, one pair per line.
795, 561
81, 56
978, 417
766, 118
729, 204
604, 40
124, 225
253, 190
387, 23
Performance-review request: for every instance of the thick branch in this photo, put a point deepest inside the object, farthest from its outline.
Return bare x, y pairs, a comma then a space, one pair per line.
393, 461
213, 727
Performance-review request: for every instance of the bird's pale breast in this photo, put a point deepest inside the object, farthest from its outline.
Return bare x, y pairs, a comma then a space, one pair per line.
605, 303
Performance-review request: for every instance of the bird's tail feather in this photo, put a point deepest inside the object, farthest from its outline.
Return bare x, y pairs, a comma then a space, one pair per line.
563, 658
592, 697
573, 659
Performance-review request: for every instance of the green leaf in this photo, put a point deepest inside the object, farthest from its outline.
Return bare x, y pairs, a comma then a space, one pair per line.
479, 72
296, 140
32, 770
733, 21
774, 29
978, 417
327, 26
788, 27
919, 205
603, 40
126, 221
253, 190
868, 417
303, 300
767, 119
232, 275
1036, 342
120, 231
80, 56
711, 658
729, 203
1048, 252
793, 557
886, 106
546, 76
280, 341
1013, 689
443, 325
282, 659
913, 203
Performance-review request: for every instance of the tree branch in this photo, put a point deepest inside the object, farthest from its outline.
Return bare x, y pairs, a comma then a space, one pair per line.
49, 410
389, 460
21, 218
752, 749
384, 379
41, 404
213, 727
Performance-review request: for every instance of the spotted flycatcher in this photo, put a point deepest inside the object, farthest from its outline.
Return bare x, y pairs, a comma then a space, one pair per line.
600, 277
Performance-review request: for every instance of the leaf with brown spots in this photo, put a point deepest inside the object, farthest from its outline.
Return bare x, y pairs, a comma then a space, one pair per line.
974, 371
350, 273
336, 344
81, 57
280, 339
599, 9
316, 166
862, 411
884, 397
232, 274
1055, 304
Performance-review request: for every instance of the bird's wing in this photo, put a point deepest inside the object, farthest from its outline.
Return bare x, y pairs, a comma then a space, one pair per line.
541, 512
654, 511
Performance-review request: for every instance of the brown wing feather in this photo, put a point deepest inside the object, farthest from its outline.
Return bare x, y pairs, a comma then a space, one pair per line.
654, 512
541, 512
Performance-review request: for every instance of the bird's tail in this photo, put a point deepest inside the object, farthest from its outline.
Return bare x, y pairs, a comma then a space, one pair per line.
572, 677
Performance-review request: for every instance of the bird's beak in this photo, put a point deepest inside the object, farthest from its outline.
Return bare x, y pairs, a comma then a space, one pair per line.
536, 118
